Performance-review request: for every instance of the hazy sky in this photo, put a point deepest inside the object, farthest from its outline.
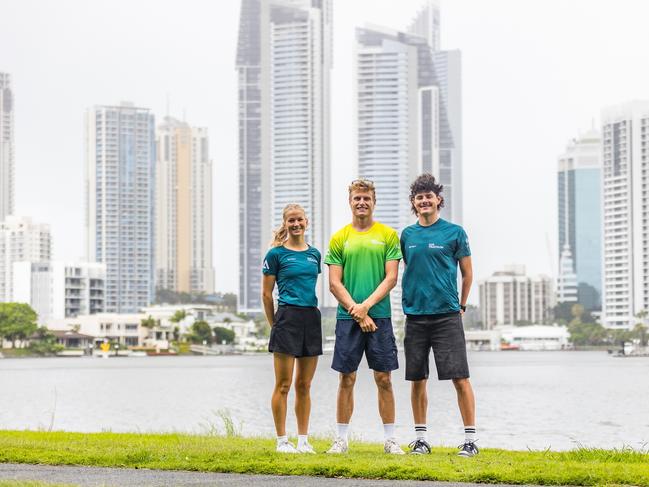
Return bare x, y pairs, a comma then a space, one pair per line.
535, 74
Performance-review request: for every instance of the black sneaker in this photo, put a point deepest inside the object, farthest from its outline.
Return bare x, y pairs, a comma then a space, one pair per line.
468, 449
419, 447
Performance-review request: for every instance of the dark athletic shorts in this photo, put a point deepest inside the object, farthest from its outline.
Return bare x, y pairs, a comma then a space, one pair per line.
379, 347
296, 331
445, 335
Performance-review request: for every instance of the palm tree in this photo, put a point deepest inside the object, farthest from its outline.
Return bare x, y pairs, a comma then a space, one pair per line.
178, 316
149, 322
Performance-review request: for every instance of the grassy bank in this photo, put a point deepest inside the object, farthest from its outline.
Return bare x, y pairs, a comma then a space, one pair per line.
257, 456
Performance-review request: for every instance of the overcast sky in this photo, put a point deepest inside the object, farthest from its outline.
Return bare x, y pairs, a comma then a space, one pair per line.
535, 74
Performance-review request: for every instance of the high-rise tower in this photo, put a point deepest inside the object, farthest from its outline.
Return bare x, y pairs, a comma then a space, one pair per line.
283, 62
580, 222
120, 185
183, 208
625, 179
397, 117
447, 76
6, 147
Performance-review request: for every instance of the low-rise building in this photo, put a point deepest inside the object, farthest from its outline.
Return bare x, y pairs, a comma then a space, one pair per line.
243, 329
126, 330
536, 337
21, 240
510, 297
57, 290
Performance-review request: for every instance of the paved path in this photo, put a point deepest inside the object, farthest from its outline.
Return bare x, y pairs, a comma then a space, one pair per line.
123, 477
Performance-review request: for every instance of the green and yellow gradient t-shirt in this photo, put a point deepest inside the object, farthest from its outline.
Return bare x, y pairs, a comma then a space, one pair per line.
362, 256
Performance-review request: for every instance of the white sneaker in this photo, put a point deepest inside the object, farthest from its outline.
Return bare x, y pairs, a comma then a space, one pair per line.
305, 448
339, 446
285, 447
392, 447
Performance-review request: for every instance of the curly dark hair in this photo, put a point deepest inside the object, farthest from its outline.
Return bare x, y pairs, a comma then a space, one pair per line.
425, 184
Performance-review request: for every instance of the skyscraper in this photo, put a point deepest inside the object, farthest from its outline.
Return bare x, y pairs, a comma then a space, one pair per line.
625, 142
447, 76
580, 221
120, 185
397, 117
21, 240
6, 146
283, 64
183, 208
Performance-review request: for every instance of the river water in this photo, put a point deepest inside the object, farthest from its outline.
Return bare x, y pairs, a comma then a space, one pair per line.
525, 400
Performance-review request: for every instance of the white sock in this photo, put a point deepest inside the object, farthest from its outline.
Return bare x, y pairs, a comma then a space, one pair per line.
302, 440
282, 439
469, 434
421, 432
388, 431
343, 428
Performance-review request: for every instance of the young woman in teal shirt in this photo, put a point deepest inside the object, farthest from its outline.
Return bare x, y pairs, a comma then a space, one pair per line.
296, 331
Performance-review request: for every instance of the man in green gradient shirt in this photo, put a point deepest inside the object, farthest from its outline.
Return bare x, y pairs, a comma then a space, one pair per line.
363, 261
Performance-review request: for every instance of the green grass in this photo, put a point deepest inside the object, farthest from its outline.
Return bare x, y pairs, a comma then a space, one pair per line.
17, 352
30, 483
257, 456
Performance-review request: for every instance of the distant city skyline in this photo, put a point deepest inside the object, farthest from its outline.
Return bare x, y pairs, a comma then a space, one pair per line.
525, 93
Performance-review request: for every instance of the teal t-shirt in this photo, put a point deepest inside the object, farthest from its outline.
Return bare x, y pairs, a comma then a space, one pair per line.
431, 255
296, 273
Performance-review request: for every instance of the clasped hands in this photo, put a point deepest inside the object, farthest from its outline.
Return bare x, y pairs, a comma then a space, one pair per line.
359, 311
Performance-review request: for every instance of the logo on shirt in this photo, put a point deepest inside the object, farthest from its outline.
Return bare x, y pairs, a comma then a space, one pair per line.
433, 246
266, 265
377, 242
412, 246
291, 258
311, 259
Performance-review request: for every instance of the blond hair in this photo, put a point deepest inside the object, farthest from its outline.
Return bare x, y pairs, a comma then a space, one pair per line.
364, 185
280, 234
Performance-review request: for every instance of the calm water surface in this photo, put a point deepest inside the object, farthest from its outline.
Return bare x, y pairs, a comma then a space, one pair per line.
533, 400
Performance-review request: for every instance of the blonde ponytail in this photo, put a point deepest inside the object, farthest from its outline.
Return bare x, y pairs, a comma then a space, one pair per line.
280, 234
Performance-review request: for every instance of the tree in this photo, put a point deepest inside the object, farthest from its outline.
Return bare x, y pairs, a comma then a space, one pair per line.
223, 335
149, 322
640, 332
17, 321
178, 316
587, 334
230, 302
200, 332
44, 342
176, 333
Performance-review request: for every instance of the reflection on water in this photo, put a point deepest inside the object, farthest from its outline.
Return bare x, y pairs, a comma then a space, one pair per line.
525, 400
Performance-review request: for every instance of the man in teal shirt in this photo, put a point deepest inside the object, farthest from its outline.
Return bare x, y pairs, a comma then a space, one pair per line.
432, 249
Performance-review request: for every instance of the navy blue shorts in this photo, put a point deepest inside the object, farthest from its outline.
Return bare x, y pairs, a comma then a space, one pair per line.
380, 347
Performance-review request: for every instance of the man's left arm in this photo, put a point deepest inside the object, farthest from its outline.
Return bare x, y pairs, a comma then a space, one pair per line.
466, 269
359, 311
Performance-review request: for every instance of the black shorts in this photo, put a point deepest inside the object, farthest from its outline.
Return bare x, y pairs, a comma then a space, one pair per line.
296, 331
379, 347
445, 335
